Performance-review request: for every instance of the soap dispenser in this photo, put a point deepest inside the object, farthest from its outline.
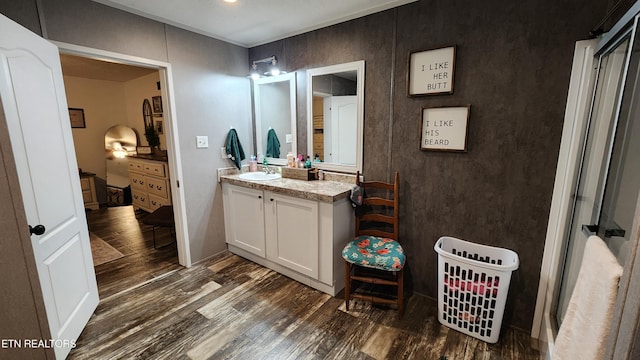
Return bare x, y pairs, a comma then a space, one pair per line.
253, 164
290, 161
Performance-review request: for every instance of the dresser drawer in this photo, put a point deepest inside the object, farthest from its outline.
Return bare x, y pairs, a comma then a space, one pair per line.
318, 122
87, 196
138, 181
156, 202
157, 187
139, 198
85, 184
154, 169
136, 165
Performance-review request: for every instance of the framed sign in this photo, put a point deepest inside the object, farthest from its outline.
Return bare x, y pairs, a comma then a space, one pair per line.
430, 72
445, 128
143, 149
77, 118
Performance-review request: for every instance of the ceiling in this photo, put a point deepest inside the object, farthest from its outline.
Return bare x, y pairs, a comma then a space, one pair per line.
250, 23
243, 23
100, 70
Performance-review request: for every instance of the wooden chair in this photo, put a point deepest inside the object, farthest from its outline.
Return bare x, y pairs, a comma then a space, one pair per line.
161, 217
375, 255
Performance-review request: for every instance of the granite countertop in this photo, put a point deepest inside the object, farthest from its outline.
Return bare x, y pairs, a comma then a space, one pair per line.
319, 190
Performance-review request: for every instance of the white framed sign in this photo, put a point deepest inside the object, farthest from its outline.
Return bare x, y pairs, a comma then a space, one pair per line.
445, 128
430, 72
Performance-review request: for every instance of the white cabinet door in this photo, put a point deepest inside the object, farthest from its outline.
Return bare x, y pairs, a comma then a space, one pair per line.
292, 233
244, 218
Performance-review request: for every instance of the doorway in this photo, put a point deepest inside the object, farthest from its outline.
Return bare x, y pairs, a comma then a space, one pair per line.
111, 96
170, 131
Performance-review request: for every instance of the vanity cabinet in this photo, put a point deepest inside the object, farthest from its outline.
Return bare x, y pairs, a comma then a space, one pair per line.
244, 219
297, 237
150, 186
291, 227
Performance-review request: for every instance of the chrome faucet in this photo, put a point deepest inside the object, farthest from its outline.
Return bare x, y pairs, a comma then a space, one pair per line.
268, 170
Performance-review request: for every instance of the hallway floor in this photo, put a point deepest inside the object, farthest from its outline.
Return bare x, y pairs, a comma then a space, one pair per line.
231, 308
122, 228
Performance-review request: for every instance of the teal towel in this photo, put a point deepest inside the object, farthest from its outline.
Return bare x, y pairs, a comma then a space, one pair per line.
234, 148
273, 144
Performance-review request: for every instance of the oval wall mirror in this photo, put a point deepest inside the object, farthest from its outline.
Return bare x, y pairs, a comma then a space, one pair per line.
335, 112
147, 113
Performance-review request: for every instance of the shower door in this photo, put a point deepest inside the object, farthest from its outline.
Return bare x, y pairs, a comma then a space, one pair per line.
606, 189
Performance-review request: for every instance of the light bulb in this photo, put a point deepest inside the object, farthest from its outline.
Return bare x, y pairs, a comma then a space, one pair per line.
275, 71
120, 154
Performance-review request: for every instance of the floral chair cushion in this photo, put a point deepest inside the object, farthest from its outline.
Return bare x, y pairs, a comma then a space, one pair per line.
375, 252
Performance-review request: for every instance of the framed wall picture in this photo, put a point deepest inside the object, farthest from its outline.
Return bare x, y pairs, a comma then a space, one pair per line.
157, 104
430, 72
159, 126
445, 128
77, 118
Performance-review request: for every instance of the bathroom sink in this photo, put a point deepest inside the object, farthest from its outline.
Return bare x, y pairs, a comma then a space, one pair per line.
259, 176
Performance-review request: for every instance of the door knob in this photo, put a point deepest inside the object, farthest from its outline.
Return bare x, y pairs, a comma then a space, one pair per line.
38, 229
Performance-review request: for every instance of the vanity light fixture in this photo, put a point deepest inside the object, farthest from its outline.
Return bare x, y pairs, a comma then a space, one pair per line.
273, 68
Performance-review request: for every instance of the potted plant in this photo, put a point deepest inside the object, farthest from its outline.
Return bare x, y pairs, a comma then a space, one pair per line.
153, 139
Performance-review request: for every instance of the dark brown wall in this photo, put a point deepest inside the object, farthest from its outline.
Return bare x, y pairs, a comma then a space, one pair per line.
513, 64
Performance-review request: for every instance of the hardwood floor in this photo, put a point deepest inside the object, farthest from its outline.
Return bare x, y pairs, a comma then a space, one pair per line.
231, 308
123, 229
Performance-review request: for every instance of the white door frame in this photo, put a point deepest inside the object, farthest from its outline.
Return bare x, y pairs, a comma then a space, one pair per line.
171, 127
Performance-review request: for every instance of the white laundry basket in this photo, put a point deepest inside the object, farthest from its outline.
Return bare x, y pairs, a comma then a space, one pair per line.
473, 281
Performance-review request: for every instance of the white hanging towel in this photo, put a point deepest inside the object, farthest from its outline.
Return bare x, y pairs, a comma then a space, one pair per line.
585, 328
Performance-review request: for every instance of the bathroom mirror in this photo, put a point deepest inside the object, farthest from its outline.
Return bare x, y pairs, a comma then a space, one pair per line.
335, 108
275, 107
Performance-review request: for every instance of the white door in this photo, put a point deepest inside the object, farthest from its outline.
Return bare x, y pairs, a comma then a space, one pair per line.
341, 127
35, 106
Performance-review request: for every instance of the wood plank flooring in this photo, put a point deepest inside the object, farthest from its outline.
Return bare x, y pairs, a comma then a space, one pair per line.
231, 308
123, 229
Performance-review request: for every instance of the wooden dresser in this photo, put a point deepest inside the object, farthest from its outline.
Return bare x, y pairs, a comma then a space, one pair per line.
318, 127
88, 186
150, 186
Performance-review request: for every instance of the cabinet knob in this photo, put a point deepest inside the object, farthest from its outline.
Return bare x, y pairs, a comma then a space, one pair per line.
259, 196
271, 199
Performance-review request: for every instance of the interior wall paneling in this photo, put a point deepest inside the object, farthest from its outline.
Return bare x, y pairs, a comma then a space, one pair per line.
514, 76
